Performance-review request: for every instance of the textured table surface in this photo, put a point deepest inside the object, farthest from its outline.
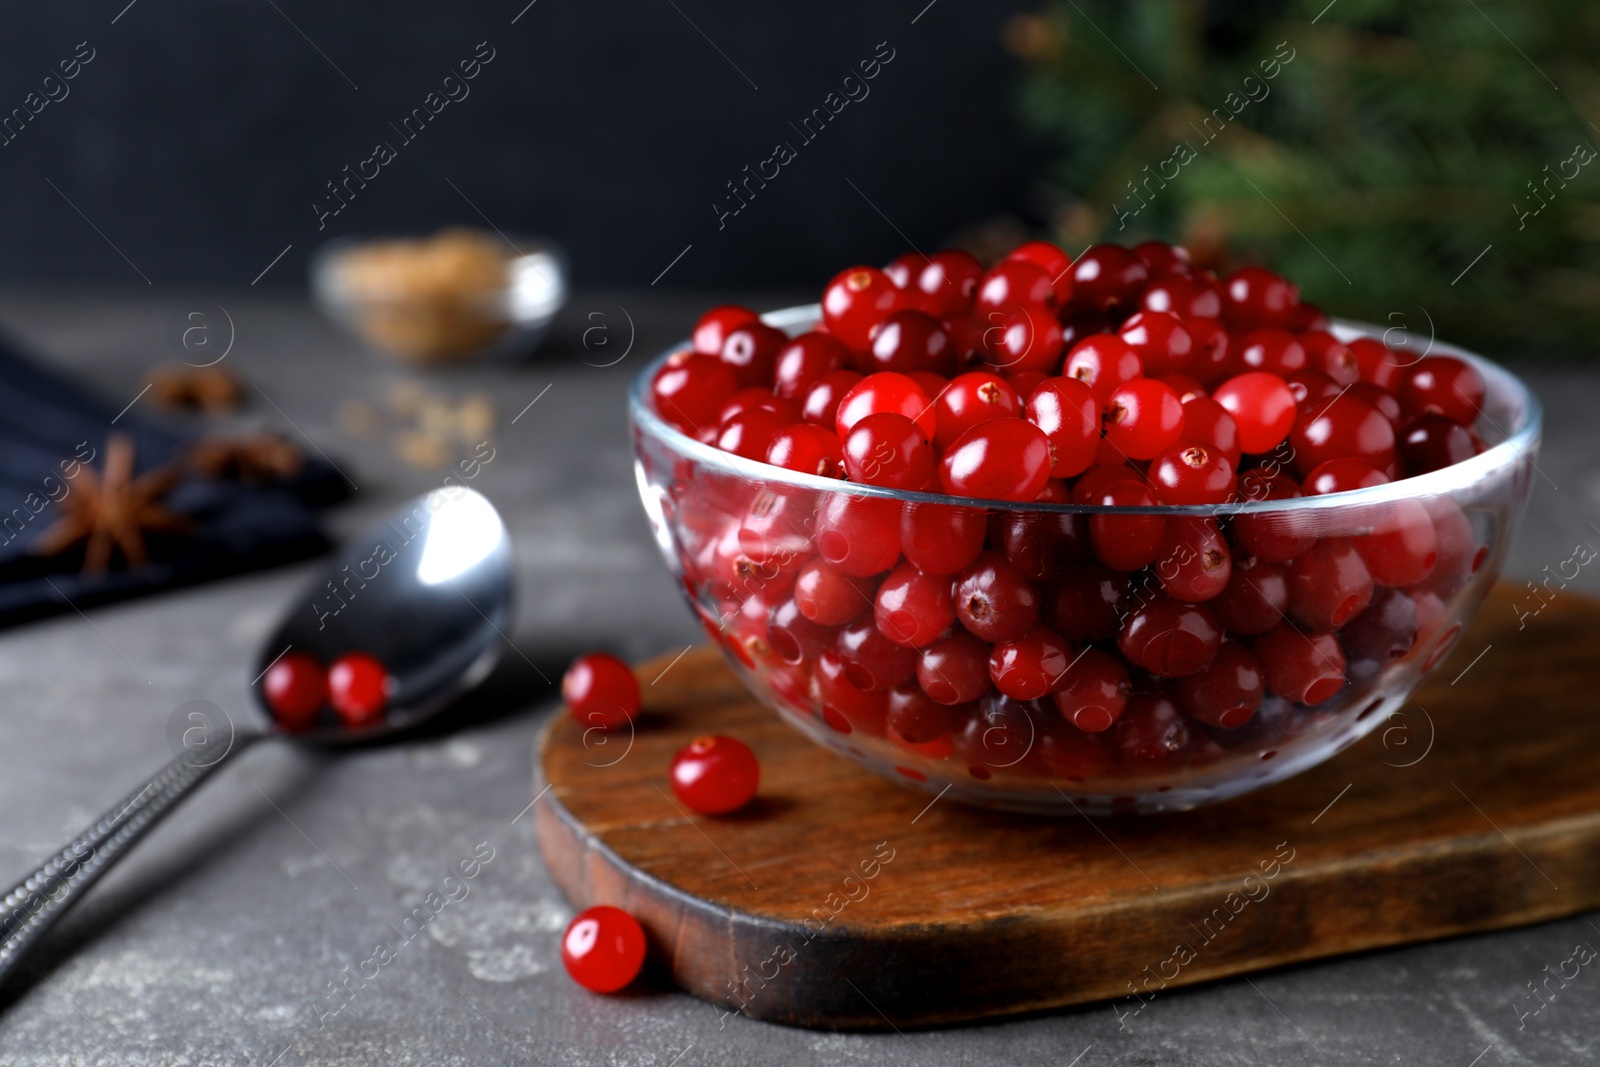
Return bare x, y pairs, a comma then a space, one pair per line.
220, 940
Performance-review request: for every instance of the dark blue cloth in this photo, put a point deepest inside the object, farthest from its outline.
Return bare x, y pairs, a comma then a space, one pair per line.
46, 418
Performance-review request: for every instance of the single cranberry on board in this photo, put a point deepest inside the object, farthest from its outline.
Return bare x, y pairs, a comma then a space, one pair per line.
295, 688
359, 688
603, 949
601, 690
715, 775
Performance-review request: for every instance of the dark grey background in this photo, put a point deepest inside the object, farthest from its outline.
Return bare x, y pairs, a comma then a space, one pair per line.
200, 134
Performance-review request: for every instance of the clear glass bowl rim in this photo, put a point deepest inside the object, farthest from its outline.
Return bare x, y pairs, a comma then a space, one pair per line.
1500, 384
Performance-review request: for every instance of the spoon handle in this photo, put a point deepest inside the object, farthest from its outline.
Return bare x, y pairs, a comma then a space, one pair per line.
36, 902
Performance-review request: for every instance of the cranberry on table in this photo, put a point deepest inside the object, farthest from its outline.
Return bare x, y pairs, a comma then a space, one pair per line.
295, 688
855, 301
1003, 459
1094, 691
888, 450
807, 448
886, 391
1228, 691
358, 689
714, 775
601, 690
804, 360
712, 328
603, 949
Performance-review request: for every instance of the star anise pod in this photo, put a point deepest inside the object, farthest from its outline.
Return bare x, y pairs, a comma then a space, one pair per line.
110, 510
253, 458
209, 389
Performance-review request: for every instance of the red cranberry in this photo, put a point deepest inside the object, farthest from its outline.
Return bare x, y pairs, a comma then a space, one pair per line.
752, 351
1182, 295
359, 688
1126, 542
1213, 351
1402, 547
714, 775
1160, 256
1012, 283
1331, 356
1030, 666
859, 535
1314, 391
1255, 296
1442, 384
750, 399
1162, 341
1023, 338
1055, 263
829, 597
1261, 405
1272, 351
994, 600
998, 738
1143, 418
1066, 411
821, 405
1383, 633
1305, 668
1378, 363
855, 301
887, 450
1272, 535
941, 538
1192, 473
1003, 459
949, 282
1346, 428
871, 660
913, 609
1169, 638
1024, 382
1255, 598
1102, 361
1108, 278
1186, 387
713, 327
969, 399
1194, 562
904, 268
1074, 755
807, 448
847, 707
751, 433
1433, 441
885, 391
1209, 423
1039, 543
295, 688
1381, 399
1341, 476
795, 638
601, 690
603, 949
1083, 605
918, 719
1094, 691
805, 360
909, 341
1328, 586
690, 389
1152, 729
954, 669
1226, 693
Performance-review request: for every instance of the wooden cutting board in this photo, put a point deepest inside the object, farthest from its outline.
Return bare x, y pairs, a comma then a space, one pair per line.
841, 900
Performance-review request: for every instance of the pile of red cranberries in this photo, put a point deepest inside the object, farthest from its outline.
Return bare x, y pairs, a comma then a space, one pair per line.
1049, 643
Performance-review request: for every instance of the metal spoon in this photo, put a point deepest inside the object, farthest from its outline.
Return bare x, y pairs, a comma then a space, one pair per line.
427, 590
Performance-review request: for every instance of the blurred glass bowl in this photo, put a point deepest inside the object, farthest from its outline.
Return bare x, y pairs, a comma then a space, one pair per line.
459, 295
737, 533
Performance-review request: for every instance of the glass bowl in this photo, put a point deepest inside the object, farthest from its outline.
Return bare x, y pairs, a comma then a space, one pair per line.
737, 533
458, 296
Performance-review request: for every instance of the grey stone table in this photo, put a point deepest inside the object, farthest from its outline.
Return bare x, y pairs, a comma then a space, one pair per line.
220, 940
